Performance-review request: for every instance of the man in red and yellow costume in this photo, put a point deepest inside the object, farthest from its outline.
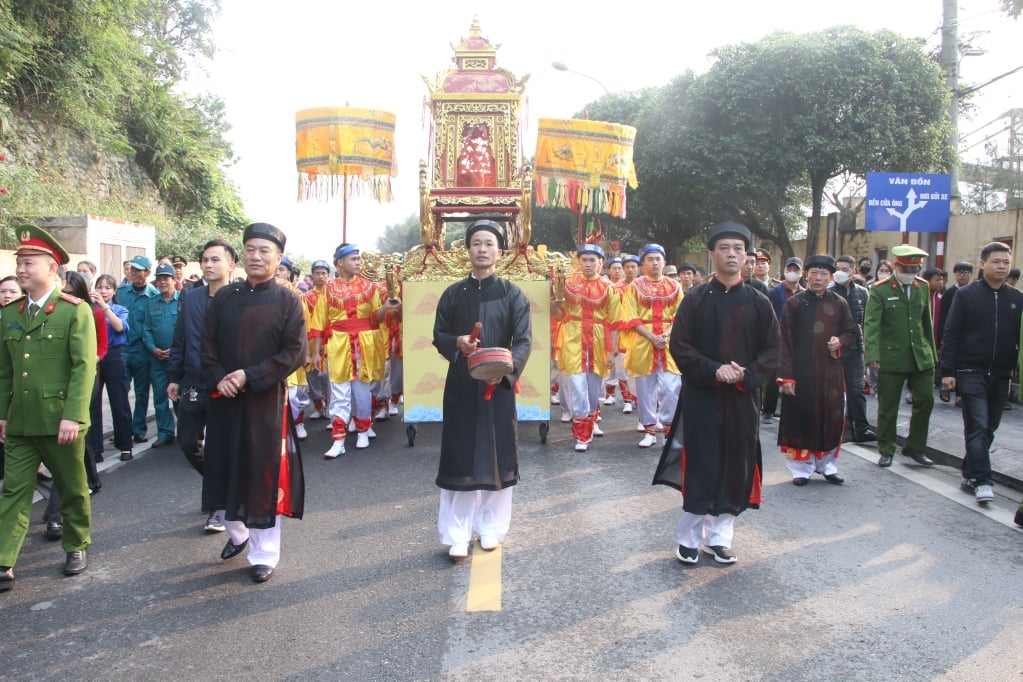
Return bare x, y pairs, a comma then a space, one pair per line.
649, 310
347, 317
298, 385
584, 344
618, 374
319, 382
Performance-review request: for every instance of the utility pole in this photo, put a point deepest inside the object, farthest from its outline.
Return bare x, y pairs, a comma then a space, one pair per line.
950, 63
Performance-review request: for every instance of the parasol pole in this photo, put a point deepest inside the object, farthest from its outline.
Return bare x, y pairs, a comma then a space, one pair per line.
344, 209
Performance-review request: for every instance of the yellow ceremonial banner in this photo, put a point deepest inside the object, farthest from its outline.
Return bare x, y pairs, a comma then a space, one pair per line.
425, 369
344, 141
584, 165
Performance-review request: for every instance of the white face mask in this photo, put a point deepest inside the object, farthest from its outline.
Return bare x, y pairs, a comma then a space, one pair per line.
841, 277
905, 277
791, 277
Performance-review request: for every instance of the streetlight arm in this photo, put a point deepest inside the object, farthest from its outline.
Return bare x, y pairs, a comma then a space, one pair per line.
560, 66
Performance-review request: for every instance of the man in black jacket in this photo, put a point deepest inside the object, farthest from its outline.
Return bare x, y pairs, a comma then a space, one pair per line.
855, 295
980, 347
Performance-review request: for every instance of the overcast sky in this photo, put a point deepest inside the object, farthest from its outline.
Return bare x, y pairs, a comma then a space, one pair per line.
276, 58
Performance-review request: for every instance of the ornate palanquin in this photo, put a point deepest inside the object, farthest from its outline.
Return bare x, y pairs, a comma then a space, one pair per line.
474, 148
474, 172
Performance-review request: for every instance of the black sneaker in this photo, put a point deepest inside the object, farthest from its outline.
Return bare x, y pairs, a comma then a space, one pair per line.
967, 486
687, 555
1019, 516
722, 555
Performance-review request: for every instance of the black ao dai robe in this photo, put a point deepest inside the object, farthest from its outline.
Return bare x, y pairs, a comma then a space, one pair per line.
479, 440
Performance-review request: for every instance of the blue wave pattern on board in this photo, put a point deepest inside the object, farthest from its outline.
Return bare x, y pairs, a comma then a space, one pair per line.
417, 414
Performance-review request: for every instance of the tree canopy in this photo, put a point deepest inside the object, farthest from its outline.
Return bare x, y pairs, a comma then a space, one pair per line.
107, 69
757, 137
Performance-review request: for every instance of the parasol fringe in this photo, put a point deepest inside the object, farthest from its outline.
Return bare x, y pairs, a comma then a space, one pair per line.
318, 187
579, 197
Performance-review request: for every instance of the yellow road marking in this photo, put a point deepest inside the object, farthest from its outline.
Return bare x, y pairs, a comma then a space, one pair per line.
484, 580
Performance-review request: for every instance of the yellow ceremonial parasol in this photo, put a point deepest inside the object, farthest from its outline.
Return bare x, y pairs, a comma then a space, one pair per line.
344, 150
584, 166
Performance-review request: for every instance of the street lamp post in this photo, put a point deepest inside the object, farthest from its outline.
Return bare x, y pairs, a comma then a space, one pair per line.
560, 66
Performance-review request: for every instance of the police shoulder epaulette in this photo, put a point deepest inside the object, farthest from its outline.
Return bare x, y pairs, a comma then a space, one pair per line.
880, 281
69, 298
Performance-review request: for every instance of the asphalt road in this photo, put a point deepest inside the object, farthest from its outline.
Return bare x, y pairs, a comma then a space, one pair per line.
895, 575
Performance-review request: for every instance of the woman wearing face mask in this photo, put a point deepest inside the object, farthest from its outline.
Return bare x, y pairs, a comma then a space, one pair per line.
9, 291
779, 294
884, 270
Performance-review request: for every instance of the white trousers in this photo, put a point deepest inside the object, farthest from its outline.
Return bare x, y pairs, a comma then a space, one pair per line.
487, 513
657, 396
582, 393
618, 373
692, 529
807, 468
298, 400
391, 384
350, 399
264, 543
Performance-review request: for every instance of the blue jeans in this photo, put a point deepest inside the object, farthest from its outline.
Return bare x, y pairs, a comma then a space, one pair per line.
984, 397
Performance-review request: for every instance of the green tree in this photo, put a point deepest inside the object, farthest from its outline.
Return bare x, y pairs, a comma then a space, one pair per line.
399, 237
821, 104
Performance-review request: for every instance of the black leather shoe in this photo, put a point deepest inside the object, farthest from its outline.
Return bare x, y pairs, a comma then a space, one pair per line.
1018, 520
139, 439
163, 442
261, 573
884, 461
800, 481
126, 456
864, 435
918, 457
6, 578
98, 459
834, 478
76, 562
54, 530
232, 550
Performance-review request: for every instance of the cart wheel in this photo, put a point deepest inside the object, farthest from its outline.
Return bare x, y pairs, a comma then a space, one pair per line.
411, 433
545, 428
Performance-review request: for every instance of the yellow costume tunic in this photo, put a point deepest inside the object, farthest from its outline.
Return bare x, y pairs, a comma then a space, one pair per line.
590, 310
344, 315
298, 378
652, 304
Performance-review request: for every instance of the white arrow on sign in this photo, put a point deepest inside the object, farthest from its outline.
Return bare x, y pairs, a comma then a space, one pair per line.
911, 206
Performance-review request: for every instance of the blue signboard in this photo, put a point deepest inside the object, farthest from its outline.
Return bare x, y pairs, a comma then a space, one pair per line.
908, 202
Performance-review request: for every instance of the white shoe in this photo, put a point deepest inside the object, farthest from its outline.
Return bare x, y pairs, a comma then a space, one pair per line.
659, 426
381, 414
609, 400
627, 407
301, 432
336, 450
362, 441
330, 425
555, 400
459, 550
392, 409
640, 428
596, 431
648, 440
401, 399
580, 446
315, 414
490, 544
351, 426
565, 417
985, 494
371, 433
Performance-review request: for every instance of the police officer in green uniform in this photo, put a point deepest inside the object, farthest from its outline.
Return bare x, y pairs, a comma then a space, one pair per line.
899, 343
47, 369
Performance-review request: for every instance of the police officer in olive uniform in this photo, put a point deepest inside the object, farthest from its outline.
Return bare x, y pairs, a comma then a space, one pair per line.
47, 369
899, 342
